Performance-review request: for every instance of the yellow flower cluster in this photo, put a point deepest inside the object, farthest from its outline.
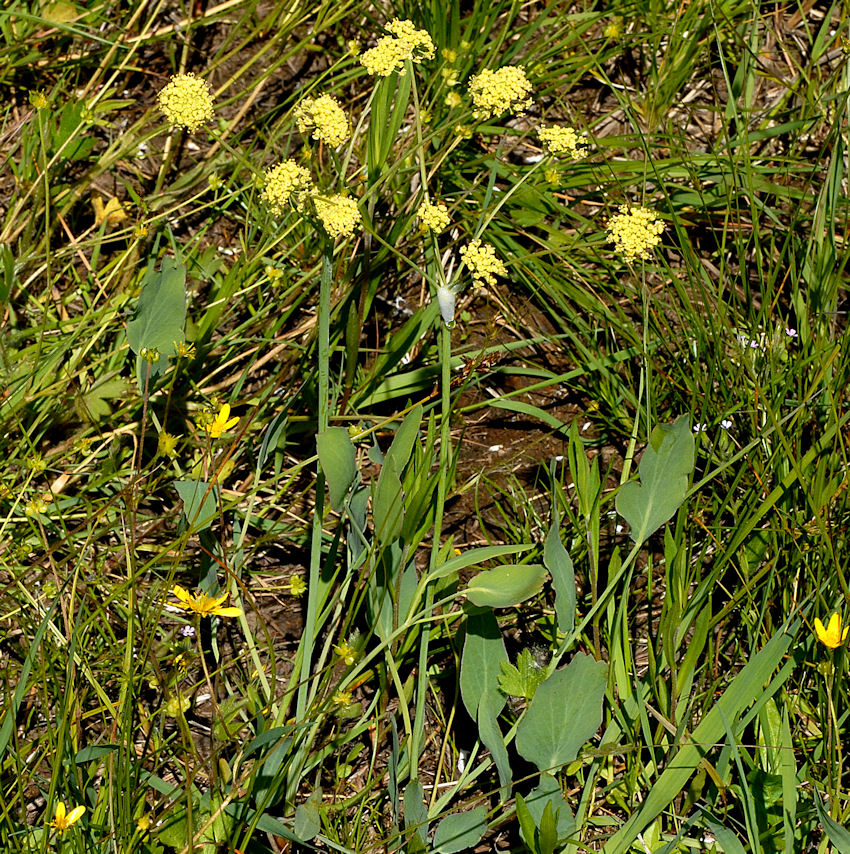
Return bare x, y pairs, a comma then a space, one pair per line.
324, 119
339, 214
496, 92
558, 140
433, 216
391, 52
482, 262
284, 182
186, 101
634, 231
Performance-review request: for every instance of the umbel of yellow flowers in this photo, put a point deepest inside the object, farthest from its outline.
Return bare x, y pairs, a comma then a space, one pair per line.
833, 635
186, 101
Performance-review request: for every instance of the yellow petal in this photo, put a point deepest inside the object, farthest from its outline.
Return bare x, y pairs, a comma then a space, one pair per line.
183, 595
223, 413
232, 423
75, 814
60, 812
227, 612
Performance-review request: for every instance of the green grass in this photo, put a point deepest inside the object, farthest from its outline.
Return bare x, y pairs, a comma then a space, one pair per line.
466, 511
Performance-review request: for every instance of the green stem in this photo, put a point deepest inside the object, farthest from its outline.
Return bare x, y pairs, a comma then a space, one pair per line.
418, 730
313, 591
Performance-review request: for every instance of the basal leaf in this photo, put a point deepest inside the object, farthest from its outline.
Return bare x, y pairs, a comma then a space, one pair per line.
336, 454
506, 585
460, 832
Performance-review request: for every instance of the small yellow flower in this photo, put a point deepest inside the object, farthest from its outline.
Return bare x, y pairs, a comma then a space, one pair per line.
149, 354
62, 821
39, 100
833, 635
297, 586
324, 119
221, 423
612, 30
274, 274
433, 216
36, 463
497, 92
449, 55
202, 604
341, 699
285, 184
453, 100
339, 214
140, 230
391, 52
35, 506
558, 140
186, 101
482, 262
346, 652
143, 822
183, 350
112, 213
634, 231
177, 705
166, 444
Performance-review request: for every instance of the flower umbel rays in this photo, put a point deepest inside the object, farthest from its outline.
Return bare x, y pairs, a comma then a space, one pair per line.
186, 101
202, 604
833, 635
286, 183
634, 231
222, 422
324, 119
391, 52
497, 92
62, 820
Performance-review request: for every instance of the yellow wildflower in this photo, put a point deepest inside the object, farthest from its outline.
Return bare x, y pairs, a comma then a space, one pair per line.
35, 506
36, 462
391, 52
833, 635
339, 215
186, 101
62, 820
558, 140
297, 585
482, 262
203, 604
177, 705
39, 100
273, 273
346, 652
166, 444
112, 213
284, 183
433, 216
634, 231
183, 350
496, 92
452, 100
324, 119
221, 423
612, 30
341, 699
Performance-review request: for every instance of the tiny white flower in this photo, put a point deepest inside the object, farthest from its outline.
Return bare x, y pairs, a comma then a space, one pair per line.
726, 423
790, 332
700, 427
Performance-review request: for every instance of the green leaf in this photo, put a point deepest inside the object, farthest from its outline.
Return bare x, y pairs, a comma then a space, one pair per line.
524, 679
483, 653
565, 712
492, 738
160, 315
460, 832
336, 454
416, 813
471, 557
388, 503
506, 585
308, 822
557, 561
200, 502
547, 836
664, 469
548, 794
837, 835
402, 445
527, 824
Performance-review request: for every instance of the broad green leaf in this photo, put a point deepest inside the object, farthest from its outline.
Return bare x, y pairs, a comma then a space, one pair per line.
492, 738
557, 561
527, 824
388, 502
664, 469
565, 712
200, 502
483, 654
547, 831
471, 557
506, 585
524, 679
160, 315
336, 454
415, 812
548, 794
460, 832
307, 819
402, 444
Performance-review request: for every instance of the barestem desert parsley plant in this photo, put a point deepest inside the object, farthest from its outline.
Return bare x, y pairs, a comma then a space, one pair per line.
497, 92
391, 52
324, 119
433, 216
634, 232
186, 101
482, 262
286, 184
559, 140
